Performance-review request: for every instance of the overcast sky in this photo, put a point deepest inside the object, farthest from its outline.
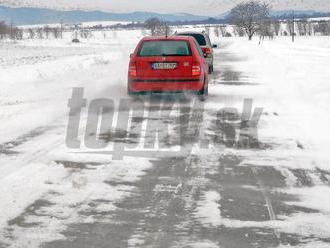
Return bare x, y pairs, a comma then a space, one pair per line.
202, 7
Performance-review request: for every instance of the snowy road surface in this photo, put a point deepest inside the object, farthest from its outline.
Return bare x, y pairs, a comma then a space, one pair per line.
275, 194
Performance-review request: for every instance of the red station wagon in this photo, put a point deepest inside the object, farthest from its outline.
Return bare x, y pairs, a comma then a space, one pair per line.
168, 65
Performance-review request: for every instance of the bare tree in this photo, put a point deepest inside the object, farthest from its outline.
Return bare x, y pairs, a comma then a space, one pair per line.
227, 34
302, 27
20, 34
4, 30
152, 24
216, 31
157, 27
207, 30
31, 33
223, 30
310, 28
47, 31
10, 31
16, 33
290, 28
265, 30
56, 33
40, 33
276, 27
85, 33
239, 31
249, 16
323, 27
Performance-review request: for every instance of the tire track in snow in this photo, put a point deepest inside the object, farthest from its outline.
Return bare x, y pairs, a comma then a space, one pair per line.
272, 215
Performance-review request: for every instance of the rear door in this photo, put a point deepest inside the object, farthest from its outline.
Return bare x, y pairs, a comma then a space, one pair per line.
164, 59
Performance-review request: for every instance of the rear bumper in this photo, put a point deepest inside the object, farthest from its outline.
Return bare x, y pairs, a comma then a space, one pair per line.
168, 85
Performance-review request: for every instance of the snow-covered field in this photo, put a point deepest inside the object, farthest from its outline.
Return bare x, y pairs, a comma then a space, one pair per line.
38, 173
293, 80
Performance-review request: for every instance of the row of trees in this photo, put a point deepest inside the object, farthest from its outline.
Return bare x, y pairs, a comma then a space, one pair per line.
253, 18
264, 28
322, 27
57, 33
278, 28
44, 32
249, 18
15, 33
9, 31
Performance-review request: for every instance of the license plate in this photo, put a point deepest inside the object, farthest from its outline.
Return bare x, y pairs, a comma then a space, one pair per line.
163, 66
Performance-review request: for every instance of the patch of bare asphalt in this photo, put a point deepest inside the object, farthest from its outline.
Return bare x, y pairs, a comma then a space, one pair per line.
30, 210
161, 212
303, 178
8, 148
230, 77
323, 175
119, 136
78, 165
224, 133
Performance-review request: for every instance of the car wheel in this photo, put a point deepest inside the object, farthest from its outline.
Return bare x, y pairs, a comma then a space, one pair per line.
203, 93
131, 94
211, 70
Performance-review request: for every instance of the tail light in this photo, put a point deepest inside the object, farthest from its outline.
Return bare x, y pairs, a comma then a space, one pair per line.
207, 51
132, 71
196, 69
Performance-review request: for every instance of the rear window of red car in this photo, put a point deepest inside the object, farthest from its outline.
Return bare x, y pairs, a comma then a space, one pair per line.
164, 48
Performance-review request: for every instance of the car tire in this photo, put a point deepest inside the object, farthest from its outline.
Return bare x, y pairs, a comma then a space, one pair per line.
203, 93
131, 94
211, 69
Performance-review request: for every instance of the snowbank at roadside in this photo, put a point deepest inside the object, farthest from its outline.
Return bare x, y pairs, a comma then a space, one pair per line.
294, 90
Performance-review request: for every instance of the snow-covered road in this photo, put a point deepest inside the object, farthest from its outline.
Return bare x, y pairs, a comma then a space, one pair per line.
275, 194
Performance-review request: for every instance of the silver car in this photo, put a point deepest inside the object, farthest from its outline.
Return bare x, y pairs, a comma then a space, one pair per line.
205, 43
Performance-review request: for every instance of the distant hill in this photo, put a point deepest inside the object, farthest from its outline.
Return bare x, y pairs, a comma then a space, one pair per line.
28, 16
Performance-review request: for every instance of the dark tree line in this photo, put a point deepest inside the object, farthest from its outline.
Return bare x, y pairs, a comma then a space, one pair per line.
322, 27
253, 17
10, 31
44, 32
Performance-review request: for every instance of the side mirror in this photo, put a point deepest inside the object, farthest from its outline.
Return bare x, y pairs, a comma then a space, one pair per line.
131, 55
214, 46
